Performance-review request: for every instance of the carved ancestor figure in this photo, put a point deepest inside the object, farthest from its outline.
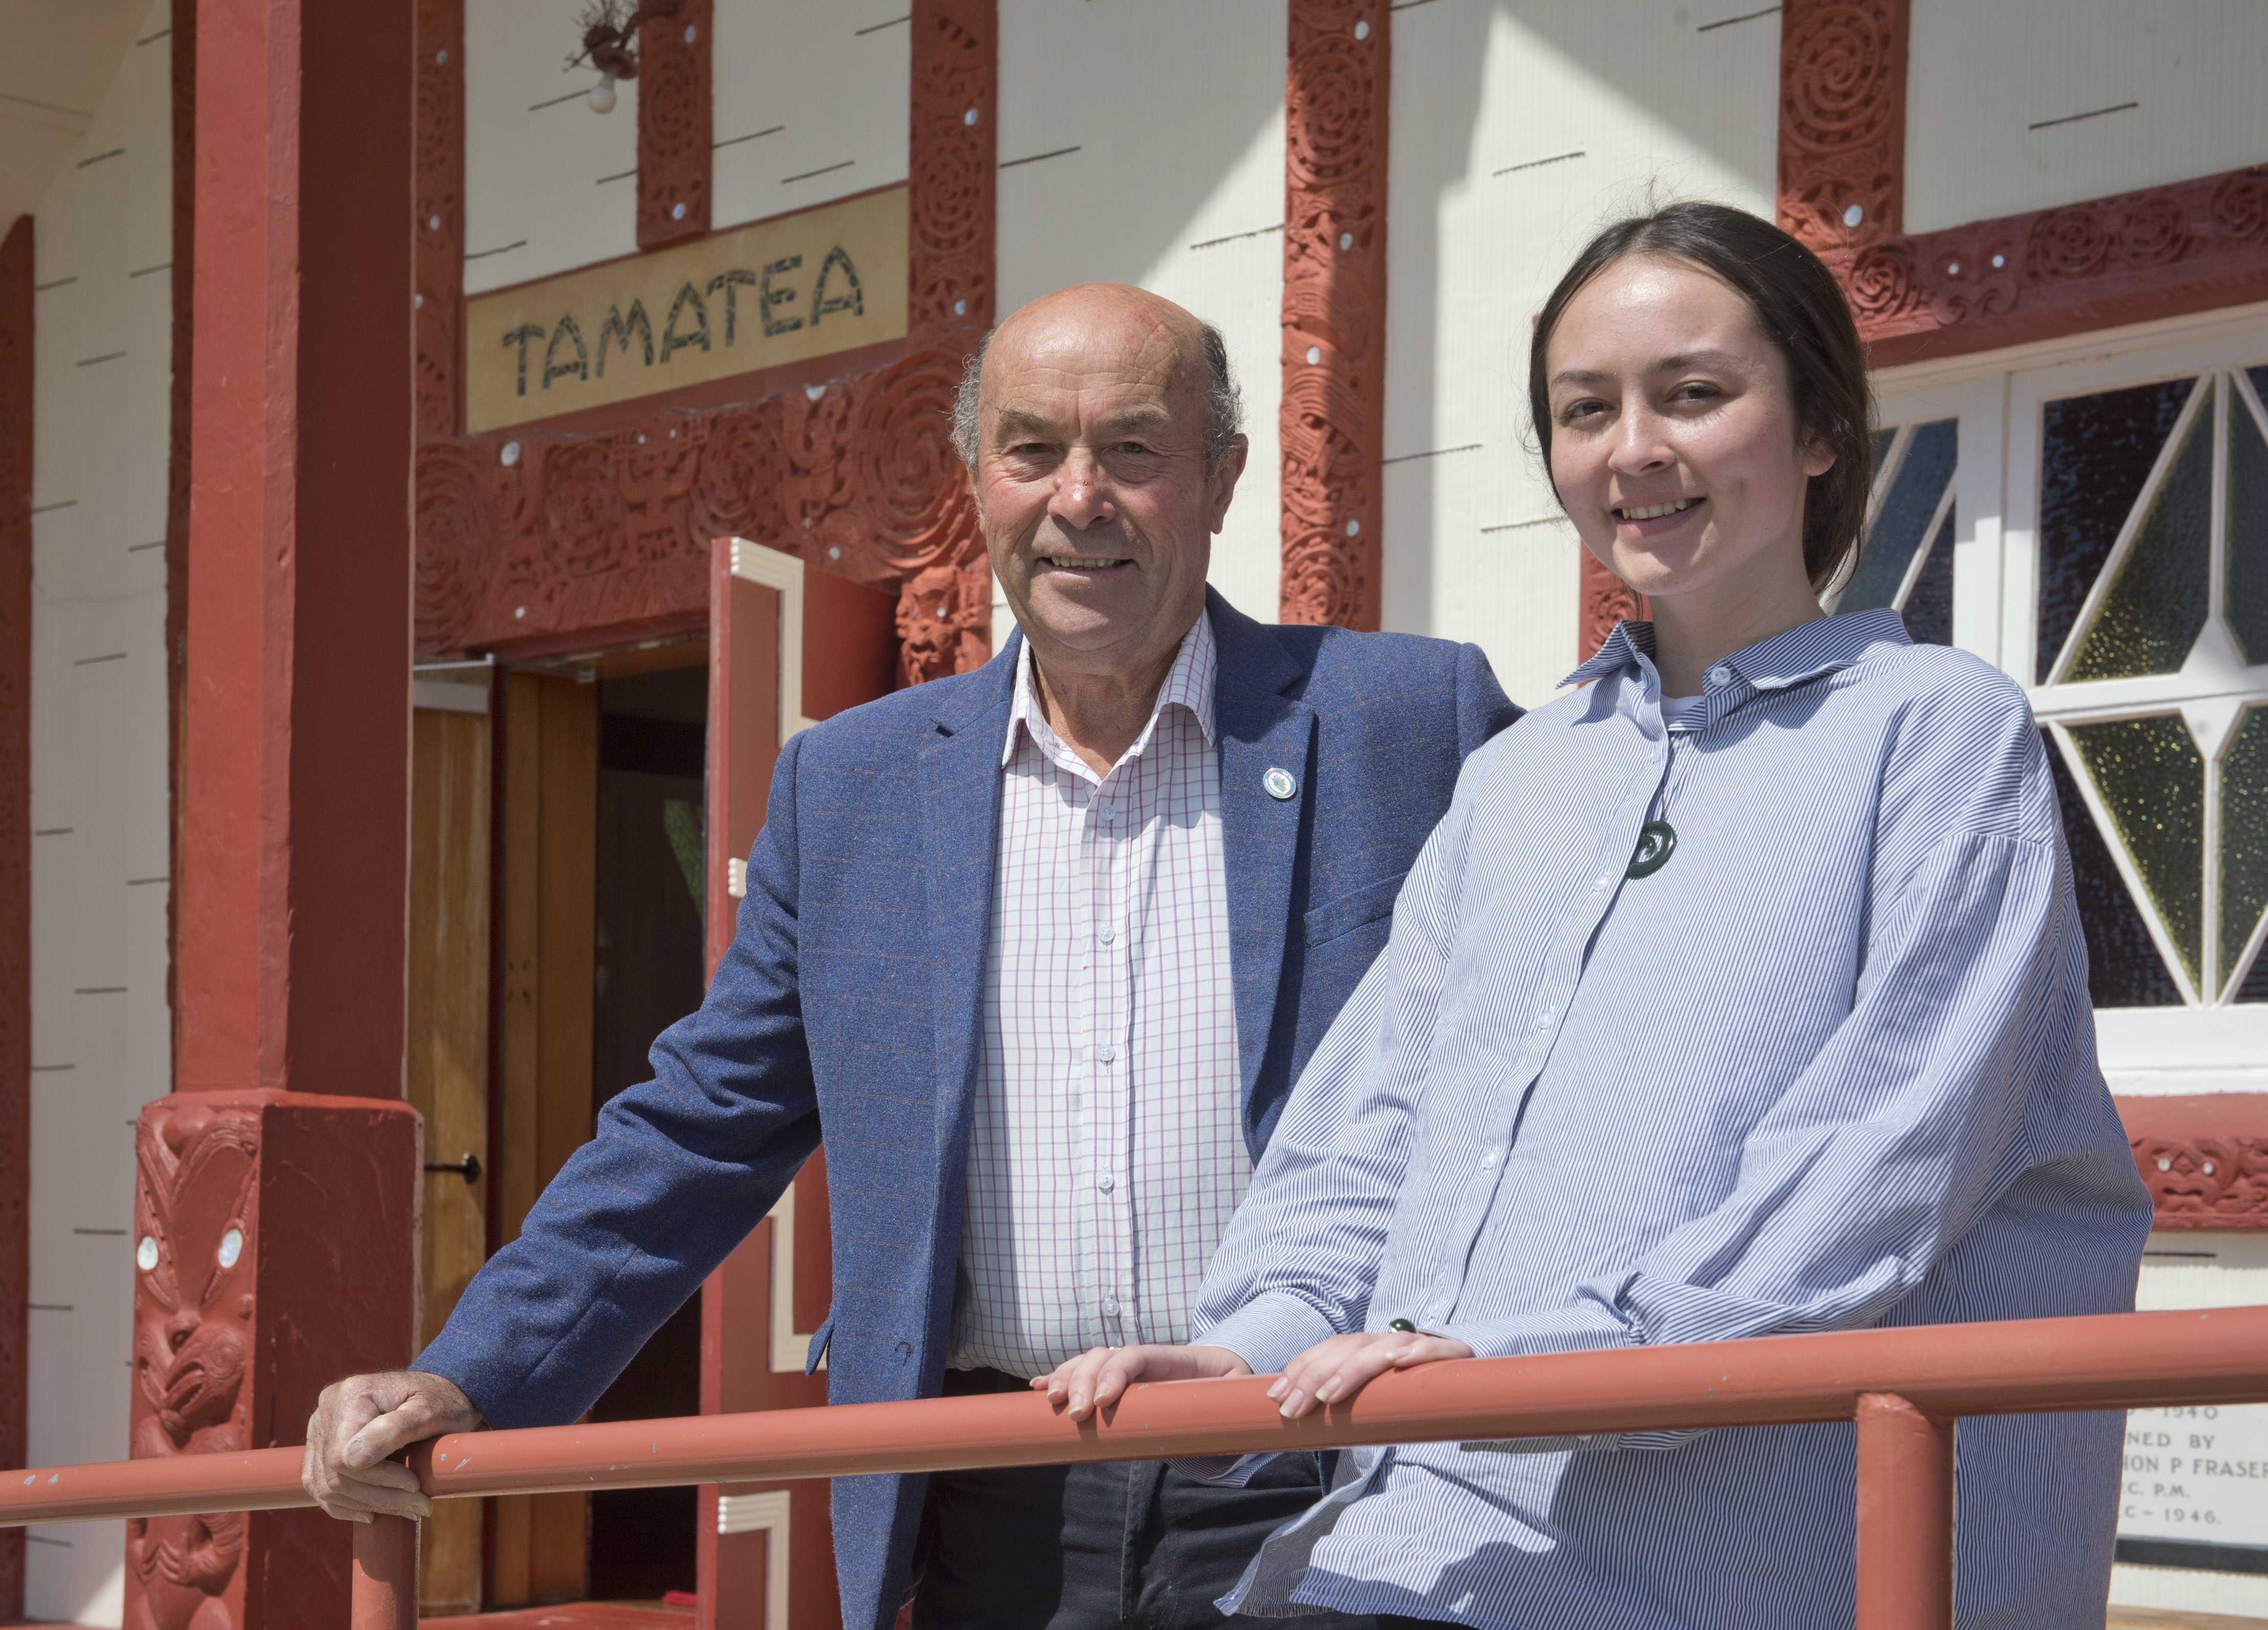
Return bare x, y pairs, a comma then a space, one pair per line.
193, 1309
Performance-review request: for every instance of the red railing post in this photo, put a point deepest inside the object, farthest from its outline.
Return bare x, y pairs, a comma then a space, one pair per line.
386, 1575
1905, 1516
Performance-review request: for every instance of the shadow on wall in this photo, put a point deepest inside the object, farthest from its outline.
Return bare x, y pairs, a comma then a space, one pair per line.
1520, 126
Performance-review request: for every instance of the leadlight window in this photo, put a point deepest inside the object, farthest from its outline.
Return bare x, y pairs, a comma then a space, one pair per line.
1907, 560
2150, 659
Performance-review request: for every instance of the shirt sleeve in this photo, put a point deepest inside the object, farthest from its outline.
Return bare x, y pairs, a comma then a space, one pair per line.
1299, 1257
1900, 1134
683, 1167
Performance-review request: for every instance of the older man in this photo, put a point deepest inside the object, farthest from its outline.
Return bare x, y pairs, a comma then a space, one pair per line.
1037, 951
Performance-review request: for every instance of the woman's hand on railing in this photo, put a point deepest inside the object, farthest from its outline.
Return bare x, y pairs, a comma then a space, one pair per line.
1098, 1377
360, 1424
1333, 1371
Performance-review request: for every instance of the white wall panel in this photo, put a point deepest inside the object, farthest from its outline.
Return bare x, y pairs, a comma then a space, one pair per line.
99, 1025
1142, 142
810, 103
1518, 127
549, 184
1999, 100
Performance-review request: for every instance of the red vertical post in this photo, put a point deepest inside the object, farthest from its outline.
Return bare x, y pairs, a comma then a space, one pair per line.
277, 1190
385, 1589
1905, 1516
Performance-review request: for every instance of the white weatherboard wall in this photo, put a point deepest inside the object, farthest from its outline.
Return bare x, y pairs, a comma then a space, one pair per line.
99, 1028
2025, 104
1142, 142
1518, 129
810, 103
549, 184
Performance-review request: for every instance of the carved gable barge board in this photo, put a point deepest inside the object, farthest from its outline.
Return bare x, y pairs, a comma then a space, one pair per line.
596, 534
2204, 1159
16, 273
1336, 97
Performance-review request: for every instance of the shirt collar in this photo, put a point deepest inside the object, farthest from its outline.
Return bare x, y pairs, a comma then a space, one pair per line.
1189, 685
1804, 653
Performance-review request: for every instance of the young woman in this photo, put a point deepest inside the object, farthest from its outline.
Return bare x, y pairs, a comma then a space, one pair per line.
1739, 992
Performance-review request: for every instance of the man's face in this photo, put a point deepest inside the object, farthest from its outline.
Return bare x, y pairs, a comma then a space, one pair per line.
1091, 480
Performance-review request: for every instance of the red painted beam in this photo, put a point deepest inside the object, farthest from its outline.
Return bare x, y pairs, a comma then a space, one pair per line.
2109, 1361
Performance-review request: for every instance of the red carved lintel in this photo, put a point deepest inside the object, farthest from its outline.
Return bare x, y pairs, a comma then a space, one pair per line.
1334, 356
2203, 1158
589, 532
1842, 121
15, 280
676, 128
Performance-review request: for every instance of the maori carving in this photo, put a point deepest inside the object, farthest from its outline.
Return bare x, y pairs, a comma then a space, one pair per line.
183, 69
1334, 310
16, 278
549, 534
194, 1199
2206, 1183
1842, 121
1606, 600
2155, 252
440, 227
675, 123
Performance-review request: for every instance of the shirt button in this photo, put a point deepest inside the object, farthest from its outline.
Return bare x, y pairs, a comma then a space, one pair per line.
1488, 1157
1106, 1182
1721, 674
1543, 1019
1105, 1053
1110, 1307
1602, 886
1106, 934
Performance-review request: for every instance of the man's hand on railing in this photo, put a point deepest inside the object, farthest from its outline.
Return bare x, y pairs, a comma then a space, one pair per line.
360, 1424
1098, 1377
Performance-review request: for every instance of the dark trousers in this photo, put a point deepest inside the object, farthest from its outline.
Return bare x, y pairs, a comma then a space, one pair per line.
1132, 1546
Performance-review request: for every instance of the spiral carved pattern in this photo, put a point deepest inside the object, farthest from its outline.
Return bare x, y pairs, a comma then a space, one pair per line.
675, 124
1333, 360
543, 535
1842, 120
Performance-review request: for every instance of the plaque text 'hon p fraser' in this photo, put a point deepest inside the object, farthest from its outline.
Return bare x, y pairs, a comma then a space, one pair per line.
778, 291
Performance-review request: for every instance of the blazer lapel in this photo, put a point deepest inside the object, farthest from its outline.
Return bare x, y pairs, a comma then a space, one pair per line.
959, 780
1259, 729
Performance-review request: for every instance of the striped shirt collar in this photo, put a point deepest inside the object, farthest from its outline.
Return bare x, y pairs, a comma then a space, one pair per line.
1189, 685
1804, 653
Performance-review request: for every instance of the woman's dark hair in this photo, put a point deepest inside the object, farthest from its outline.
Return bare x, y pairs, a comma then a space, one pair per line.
1800, 307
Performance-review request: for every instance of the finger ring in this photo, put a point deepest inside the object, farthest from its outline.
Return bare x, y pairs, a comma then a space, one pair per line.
1403, 1325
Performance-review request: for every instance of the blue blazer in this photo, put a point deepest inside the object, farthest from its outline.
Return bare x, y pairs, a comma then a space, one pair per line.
848, 1009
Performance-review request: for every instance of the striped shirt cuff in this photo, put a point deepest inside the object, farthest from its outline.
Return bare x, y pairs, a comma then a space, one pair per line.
1585, 1327
1269, 1331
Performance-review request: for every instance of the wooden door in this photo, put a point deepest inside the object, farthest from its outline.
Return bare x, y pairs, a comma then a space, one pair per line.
447, 1072
787, 647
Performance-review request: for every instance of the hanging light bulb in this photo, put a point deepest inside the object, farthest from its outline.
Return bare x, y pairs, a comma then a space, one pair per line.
602, 95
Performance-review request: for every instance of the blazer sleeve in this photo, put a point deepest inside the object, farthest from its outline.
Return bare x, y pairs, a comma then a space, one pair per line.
1483, 708
683, 1168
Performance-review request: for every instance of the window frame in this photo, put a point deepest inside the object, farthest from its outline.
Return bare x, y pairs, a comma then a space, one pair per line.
1998, 397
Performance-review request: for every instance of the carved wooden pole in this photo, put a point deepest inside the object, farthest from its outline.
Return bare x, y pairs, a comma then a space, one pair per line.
1334, 110
276, 1192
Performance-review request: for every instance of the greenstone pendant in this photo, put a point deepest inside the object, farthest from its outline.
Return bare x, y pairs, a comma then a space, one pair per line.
1657, 841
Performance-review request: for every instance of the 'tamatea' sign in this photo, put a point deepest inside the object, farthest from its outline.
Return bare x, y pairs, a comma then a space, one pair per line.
781, 290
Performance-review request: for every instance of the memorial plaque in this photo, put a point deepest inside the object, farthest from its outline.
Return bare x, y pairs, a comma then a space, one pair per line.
778, 291
2197, 1473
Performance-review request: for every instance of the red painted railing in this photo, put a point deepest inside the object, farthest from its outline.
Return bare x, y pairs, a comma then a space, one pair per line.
1903, 1389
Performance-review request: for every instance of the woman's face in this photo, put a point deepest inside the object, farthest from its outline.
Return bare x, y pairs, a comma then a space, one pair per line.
1674, 439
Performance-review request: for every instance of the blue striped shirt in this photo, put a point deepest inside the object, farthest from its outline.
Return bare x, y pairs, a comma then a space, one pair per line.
1832, 1066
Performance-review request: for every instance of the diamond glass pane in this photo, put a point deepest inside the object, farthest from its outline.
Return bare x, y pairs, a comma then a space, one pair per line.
2096, 454
1902, 523
1928, 610
2244, 838
2247, 584
2157, 604
2124, 968
2151, 778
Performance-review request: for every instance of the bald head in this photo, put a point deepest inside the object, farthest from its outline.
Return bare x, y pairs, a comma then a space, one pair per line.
1114, 317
